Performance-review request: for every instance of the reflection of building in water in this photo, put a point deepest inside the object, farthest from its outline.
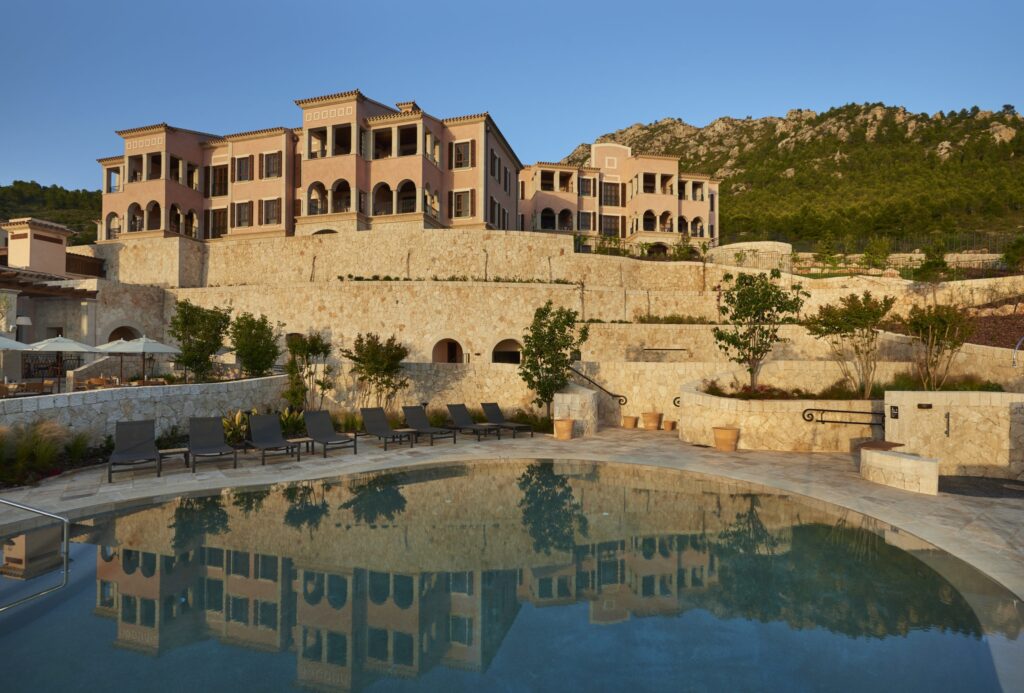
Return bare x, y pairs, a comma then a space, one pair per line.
437, 576
30, 555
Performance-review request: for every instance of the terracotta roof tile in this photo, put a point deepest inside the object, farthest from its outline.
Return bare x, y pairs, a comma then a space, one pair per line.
327, 97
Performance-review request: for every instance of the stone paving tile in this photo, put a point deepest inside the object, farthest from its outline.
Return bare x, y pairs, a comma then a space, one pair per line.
989, 533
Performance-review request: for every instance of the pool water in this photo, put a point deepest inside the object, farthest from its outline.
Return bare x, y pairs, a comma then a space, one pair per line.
510, 576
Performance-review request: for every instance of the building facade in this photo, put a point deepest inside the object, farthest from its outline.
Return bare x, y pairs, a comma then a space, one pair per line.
638, 199
354, 164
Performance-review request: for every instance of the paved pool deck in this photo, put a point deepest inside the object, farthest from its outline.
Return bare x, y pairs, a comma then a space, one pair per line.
986, 532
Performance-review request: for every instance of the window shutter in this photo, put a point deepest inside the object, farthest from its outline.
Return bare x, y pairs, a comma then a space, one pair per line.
261, 166
206, 181
232, 167
259, 211
451, 156
296, 207
231, 220
298, 170
206, 224
249, 205
622, 194
451, 196
472, 153
472, 202
252, 169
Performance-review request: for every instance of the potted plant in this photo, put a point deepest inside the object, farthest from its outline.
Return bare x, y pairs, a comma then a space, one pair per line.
652, 420
563, 429
629, 421
668, 425
726, 438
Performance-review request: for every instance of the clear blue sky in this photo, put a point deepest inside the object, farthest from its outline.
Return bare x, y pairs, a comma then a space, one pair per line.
73, 71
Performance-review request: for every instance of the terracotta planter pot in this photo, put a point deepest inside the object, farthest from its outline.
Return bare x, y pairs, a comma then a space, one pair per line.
629, 421
726, 438
668, 425
652, 420
563, 429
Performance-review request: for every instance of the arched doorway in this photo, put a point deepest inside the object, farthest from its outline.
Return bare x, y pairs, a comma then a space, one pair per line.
665, 222
547, 219
124, 332
650, 221
113, 226
565, 220
447, 351
154, 219
507, 351
316, 199
341, 197
406, 197
383, 202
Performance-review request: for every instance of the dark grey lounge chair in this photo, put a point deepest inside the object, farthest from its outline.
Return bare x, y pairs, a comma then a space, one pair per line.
416, 419
493, 413
206, 439
321, 430
375, 423
134, 444
265, 434
463, 422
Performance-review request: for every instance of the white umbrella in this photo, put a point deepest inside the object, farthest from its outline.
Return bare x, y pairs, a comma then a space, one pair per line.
11, 345
144, 345
61, 346
115, 347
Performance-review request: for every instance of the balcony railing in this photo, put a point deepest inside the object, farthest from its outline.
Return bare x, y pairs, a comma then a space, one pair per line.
135, 224
317, 153
341, 206
406, 206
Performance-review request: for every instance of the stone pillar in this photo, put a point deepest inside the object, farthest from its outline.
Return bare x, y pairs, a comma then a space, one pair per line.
394, 142
329, 140
579, 404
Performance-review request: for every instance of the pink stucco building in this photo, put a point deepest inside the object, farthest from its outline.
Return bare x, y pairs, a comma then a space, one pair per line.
354, 164
636, 198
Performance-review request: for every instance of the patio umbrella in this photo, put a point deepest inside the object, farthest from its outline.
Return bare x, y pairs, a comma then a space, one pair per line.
115, 347
61, 346
144, 345
11, 345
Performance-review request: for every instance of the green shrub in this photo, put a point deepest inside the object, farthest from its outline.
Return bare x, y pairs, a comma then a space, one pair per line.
292, 423
672, 319
255, 340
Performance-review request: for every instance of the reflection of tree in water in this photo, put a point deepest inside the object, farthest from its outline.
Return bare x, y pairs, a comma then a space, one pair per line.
307, 505
824, 581
195, 517
748, 535
249, 501
550, 512
379, 497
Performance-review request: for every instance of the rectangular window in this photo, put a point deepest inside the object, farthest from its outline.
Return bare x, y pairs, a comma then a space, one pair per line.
494, 164
238, 610
337, 649
461, 206
215, 558
266, 567
272, 165
239, 563
266, 614
462, 156
461, 583
243, 168
609, 225
218, 223
271, 211
243, 214
611, 194
218, 180
214, 595
586, 187
586, 221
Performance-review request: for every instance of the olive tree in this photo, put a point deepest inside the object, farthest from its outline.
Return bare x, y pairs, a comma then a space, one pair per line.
754, 308
200, 333
255, 340
550, 346
851, 331
377, 365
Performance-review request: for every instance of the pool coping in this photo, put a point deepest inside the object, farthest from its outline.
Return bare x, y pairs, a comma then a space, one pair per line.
986, 533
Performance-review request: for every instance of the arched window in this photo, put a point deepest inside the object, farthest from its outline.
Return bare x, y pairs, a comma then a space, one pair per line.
312, 587
191, 227
382, 200
547, 219
341, 197
154, 220
650, 221
337, 591
113, 226
697, 227
174, 219
380, 587
507, 351
447, 351
124, 332
682, 225
565, 220
316, 199
404, 591
136, 219
657, 249
665, 222
406, 197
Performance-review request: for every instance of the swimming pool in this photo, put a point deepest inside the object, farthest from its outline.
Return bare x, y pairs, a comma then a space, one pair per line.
508, 575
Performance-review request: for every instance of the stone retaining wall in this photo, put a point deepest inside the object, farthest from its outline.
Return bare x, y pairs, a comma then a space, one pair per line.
970, 433
900, 470
96, 412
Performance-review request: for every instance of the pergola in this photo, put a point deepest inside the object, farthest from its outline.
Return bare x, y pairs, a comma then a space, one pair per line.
35, 285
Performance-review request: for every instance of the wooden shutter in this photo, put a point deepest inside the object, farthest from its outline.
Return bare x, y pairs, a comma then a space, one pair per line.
472, 153
261, 167
206, 181
231, 219
451, 202
232, 167
472, 202
451, 156
206, 224
252, 168
259, 212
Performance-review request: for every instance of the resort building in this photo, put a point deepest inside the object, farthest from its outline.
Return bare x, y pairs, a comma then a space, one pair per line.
638, 199
354, 164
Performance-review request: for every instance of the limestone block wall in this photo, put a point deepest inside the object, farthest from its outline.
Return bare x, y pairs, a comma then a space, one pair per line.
96, 412
579, 404
970, 433
899, 470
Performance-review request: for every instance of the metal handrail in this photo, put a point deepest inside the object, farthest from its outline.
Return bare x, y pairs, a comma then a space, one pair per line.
622, 398
65, 541
821, 416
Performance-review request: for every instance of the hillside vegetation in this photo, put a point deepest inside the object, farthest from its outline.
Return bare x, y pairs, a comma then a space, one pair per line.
76, 209
850, 173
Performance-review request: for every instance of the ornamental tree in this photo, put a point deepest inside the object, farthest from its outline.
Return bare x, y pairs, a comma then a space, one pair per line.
377, 365
309, 374
550, 346
200, 333
939, 333
851, 331
755, 308
255, 341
